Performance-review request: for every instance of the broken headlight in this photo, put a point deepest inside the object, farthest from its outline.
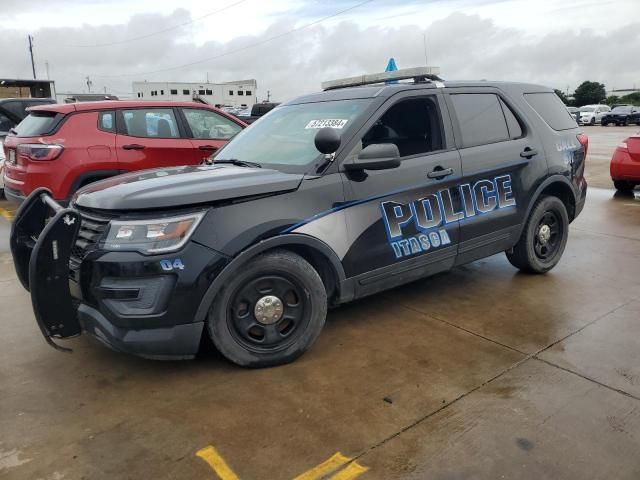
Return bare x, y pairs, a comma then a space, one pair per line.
152, 236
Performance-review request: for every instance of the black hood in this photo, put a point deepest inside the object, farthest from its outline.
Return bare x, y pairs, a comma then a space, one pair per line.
182, 186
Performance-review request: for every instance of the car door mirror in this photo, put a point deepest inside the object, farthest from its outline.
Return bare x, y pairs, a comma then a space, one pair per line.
327, 140
379, 156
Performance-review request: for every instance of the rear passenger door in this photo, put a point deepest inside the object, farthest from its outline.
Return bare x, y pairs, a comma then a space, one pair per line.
151, 138
207, 130
399, 220
502, 158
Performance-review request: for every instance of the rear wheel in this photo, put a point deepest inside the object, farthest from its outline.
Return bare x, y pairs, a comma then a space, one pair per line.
623, 186
544, 237
270, 313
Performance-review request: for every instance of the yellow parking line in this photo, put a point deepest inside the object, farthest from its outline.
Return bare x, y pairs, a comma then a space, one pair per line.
215, 461
7, 214
352, 471
325, 468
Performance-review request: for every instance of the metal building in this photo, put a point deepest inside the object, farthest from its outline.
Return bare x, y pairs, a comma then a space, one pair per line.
235, 94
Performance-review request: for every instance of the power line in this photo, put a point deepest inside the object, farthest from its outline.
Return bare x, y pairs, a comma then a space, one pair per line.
241, 49
158, 32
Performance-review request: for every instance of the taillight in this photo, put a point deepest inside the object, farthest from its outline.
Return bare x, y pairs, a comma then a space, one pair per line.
39, 151
623, 146
584, 141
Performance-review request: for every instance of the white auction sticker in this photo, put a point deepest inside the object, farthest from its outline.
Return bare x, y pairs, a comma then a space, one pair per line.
327, 122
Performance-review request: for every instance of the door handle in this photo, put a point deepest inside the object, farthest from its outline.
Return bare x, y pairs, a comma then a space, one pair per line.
528, 152
133, 146
208, 148
440, 172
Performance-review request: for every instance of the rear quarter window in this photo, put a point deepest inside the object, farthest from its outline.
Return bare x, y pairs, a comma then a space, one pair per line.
549, 106
38, 123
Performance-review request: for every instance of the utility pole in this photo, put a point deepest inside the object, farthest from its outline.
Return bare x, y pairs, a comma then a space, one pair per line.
89, 83
268, 95
46, 66
424, 37
33, 65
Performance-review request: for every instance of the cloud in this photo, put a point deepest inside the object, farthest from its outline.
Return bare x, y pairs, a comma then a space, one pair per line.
464, 46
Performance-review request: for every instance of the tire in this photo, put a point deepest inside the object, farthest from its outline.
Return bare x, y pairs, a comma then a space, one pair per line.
233, 322
625, 123
604, 124
593, 121
623, 186
530, 254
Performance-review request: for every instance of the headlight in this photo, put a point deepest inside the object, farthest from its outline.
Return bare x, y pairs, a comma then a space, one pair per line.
152, 236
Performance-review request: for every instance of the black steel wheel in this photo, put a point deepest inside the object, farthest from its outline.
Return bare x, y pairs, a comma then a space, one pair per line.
270, 313
543, 238
547, 235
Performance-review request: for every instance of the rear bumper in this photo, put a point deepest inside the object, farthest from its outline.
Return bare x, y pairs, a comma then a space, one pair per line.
14, 196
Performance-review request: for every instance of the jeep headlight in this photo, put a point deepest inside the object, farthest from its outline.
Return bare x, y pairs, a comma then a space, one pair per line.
152, 236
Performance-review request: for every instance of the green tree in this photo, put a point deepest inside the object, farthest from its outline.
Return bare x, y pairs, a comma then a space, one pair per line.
613, 99
589, 93
632, 98
562, 96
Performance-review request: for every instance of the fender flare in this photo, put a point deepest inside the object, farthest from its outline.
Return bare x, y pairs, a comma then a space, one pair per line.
536, 195
243, 257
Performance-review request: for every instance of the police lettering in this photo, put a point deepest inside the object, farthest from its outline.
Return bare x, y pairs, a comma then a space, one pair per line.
438, 209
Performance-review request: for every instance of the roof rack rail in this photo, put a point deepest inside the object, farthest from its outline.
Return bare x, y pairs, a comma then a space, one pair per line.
418, 74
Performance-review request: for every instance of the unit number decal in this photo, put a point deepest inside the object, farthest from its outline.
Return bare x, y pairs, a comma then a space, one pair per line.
169, 265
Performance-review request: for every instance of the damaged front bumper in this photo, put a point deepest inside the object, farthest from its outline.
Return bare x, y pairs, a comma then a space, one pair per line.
126, 300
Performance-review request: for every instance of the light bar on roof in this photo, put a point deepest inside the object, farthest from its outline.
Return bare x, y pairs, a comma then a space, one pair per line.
421, 73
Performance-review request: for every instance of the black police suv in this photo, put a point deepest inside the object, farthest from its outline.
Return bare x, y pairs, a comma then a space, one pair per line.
327, 198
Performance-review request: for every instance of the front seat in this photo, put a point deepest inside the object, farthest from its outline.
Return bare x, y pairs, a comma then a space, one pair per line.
164, 128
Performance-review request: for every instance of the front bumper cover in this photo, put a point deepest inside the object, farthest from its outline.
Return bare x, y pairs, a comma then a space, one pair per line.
149, 325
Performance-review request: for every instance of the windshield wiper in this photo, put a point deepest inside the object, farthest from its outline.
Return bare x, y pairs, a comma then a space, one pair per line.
239, 163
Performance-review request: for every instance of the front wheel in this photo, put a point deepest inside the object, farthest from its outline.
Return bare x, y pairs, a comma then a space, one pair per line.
593, 121
270, 313
543, 239
604, 124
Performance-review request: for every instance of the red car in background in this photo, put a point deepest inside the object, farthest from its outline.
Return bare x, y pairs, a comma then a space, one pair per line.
625, 164
65, 146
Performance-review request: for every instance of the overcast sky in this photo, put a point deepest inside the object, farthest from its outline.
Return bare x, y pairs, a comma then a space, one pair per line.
290, 46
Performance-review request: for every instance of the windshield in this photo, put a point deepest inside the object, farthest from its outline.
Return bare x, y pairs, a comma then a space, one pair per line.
587, 109
283, 138
622, 110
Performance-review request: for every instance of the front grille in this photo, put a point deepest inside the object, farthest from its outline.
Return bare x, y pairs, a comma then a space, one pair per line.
91, 230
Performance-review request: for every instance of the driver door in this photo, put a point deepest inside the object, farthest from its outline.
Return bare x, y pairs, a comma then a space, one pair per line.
403, 222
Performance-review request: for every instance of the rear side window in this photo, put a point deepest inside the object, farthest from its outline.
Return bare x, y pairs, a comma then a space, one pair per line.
551, 109
151, 122
106, 121
480, 118
38, 123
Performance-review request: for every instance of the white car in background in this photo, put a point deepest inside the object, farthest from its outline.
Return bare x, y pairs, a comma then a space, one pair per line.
592, 114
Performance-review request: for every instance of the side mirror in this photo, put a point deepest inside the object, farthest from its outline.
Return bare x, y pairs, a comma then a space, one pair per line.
327, 140
378, 156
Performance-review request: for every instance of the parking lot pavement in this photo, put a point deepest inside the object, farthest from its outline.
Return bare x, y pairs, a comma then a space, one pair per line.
602, 143
482, 372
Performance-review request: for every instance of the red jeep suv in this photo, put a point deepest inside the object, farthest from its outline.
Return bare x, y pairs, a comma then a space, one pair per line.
66, 146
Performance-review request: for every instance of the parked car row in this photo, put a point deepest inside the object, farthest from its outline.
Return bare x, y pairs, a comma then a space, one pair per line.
604, 115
